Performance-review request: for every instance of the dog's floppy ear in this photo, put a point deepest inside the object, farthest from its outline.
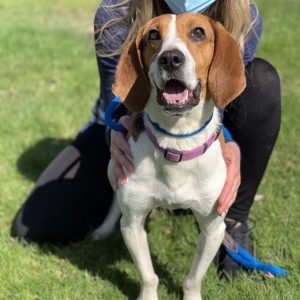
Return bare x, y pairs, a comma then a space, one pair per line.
226, 78
131, 81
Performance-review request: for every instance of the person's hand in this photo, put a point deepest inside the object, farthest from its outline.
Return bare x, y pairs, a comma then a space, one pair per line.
121, 154
232, 157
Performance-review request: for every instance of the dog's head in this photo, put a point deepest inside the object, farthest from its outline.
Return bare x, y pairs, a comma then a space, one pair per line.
182, 59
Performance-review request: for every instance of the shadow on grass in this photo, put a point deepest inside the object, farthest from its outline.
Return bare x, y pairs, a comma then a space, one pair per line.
36, 158
100, 259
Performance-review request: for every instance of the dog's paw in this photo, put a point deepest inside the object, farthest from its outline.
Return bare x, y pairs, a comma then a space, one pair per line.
102, 232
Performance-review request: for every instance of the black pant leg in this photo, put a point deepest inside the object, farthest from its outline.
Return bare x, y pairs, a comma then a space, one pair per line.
254, 121
72, 195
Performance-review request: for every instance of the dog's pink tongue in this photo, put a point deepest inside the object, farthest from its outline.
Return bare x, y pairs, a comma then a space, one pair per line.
175, 91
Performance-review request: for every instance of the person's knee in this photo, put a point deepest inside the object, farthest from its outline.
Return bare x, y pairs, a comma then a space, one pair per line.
27, 230
32, 227
259, 105
18, 229
266, 82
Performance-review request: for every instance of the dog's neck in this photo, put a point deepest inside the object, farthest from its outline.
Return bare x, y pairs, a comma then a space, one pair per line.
205, 116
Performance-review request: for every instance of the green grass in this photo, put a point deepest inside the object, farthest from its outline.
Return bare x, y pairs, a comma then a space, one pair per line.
48, 85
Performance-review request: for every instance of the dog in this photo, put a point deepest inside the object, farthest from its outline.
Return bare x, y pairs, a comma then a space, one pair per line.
177, 74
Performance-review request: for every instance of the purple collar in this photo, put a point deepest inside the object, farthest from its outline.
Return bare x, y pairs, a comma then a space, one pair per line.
176, 155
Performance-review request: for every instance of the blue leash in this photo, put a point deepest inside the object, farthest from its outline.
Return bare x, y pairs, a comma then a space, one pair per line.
109, 120
244, 258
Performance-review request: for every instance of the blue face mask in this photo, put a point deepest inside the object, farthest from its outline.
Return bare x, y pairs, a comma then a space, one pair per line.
181, 6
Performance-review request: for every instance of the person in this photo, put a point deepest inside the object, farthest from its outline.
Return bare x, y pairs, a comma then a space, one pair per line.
73, 195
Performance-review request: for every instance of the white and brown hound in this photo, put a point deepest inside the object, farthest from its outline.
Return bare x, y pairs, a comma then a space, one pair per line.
179, 71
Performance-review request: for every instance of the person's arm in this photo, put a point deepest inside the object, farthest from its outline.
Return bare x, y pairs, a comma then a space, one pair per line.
232, 157
254, 36
110, 40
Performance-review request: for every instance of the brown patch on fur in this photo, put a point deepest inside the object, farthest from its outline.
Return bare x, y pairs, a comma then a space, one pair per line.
221, 139
219, 65
131, 80
226, 78
202, 51
152, 47
137, 126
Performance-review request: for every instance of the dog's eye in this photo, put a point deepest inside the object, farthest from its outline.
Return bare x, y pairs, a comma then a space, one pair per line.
198, 34
154, 35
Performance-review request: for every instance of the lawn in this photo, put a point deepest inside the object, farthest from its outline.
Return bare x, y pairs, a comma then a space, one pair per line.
48, 84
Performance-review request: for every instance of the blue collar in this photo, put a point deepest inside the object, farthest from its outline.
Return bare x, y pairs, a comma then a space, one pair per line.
180, 135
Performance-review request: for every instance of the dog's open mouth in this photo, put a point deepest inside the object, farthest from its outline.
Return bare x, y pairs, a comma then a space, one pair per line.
177, 98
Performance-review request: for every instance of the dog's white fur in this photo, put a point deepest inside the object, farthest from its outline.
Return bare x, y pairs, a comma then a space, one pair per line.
156, 182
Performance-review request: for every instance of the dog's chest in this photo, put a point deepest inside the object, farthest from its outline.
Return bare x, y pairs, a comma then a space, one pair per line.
195, 183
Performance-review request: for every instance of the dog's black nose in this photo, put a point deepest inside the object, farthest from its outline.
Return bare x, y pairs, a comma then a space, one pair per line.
171, 60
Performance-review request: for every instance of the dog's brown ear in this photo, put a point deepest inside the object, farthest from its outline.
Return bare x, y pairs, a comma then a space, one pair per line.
226, 78
131, 81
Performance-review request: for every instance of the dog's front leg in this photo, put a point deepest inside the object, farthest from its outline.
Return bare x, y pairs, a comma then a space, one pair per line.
135, 237
210, 238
